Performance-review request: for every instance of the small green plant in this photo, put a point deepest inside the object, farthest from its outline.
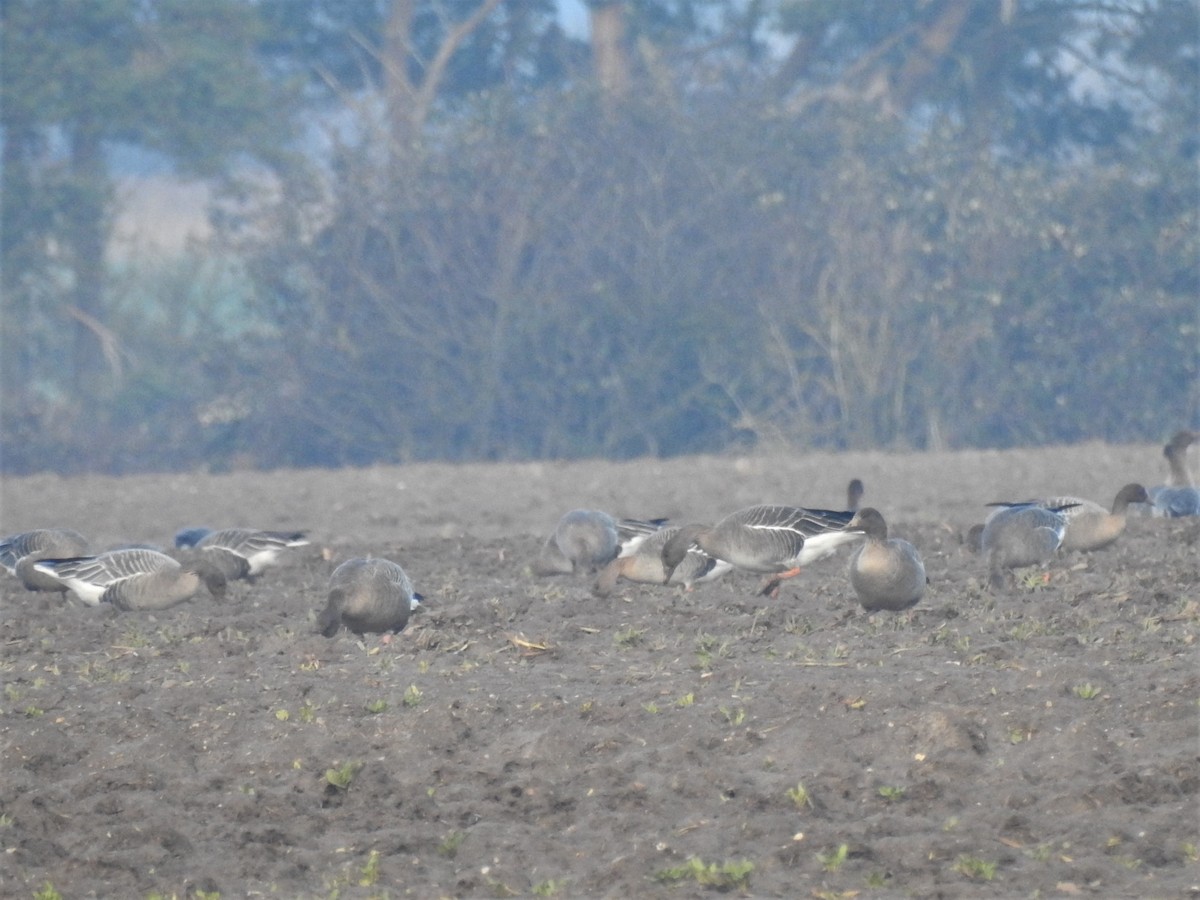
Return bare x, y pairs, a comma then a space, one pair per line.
629, 637
450, 844
877, 879
307, 713
835, 859
733, 874
650, 707
47, 892
891, 794
341, 776
800, 796
1190, 851
377, 706
549, 887
686, 700
370, 870
412, 696
34, 712
208, 895
975, 868
6, 820
733, 716
1086, 691
282, 715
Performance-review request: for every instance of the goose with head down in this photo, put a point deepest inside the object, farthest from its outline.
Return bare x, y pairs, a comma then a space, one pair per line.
368, 595
134, 579
1017, 535
20, 552
643, 563
240, 552
777, 541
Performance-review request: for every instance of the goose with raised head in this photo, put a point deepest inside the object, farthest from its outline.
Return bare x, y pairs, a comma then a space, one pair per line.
1091, 526
1017, 535
240, 552
854, 494
643, 563
368, 595
777, 541
134, 579
1180, 496
19, 553
886, 573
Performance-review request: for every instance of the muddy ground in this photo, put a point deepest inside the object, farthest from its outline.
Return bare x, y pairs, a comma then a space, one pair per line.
523, 738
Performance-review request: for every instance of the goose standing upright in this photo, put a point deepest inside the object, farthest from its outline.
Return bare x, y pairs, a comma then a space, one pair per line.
773, 540
1179, 496
887, 573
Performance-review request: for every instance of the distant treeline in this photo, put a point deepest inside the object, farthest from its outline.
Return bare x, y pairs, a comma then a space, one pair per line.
571, 273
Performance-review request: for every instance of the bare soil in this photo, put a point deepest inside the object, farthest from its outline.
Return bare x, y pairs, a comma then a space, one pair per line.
523, 738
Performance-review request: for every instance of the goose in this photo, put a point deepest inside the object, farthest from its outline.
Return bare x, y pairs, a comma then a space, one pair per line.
583, 540
240, 552
133, 579
19, 552
1089, 525
854, 494
642, 562
368, 595
1021, 534
887, 573
773, 540
1179, 496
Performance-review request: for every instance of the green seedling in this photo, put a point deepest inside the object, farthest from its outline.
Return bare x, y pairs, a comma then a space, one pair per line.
412, 696
975, 868
891, 794
341, 776
450, 844
834, 860
1086, 691
377, 706
800, 796
733, 874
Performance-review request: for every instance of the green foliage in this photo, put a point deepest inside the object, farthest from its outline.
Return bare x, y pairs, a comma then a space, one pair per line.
340, 777
730, 874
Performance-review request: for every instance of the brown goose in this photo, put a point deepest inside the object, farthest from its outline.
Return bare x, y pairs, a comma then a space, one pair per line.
1089, 525
1018, 535
1179, 496
133, 579
773, 540
368, 595
643, 563
19, 552
887, 573
240, 552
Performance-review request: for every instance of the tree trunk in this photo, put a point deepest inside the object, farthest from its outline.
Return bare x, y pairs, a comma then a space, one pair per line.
609, 53
85, 235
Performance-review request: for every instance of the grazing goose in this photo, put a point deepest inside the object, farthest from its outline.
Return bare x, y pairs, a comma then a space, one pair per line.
1021, 534
133, 579
240, 552
19, 553
368, 595
643, 563
772, 540
1179, 496
887, 573
1089, 525
583, 540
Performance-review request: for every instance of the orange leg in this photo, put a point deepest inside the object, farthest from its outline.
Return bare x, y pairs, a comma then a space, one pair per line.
770, 587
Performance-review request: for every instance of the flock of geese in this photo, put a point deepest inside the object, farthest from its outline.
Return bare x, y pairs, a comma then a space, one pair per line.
373, 595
